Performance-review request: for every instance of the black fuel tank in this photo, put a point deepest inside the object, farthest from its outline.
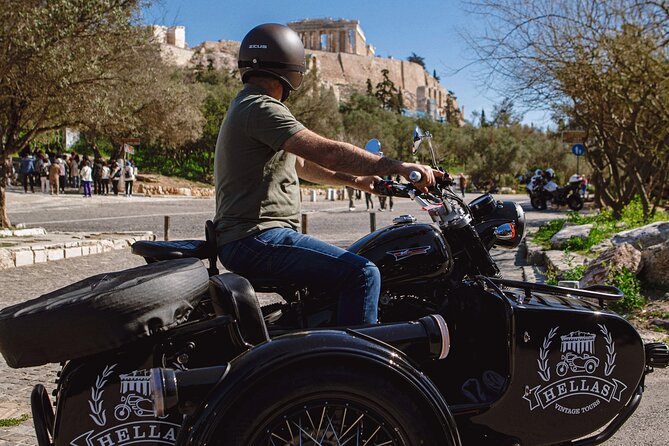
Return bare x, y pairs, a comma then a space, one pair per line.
406, 252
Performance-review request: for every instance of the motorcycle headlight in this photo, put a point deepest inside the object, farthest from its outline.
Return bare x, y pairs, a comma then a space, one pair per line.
505, 212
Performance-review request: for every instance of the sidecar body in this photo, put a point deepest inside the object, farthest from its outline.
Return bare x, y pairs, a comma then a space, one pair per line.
502, 363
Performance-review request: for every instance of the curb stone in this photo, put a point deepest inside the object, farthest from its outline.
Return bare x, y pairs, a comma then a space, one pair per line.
83, 245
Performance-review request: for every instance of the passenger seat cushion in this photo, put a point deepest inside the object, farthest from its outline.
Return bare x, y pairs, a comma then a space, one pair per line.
102, 312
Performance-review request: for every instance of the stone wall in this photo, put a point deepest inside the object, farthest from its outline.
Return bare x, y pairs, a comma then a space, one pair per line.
344, 72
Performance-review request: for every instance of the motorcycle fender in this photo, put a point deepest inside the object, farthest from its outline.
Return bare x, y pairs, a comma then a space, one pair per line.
299, 350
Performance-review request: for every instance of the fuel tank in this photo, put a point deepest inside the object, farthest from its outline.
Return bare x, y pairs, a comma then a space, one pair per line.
407, 252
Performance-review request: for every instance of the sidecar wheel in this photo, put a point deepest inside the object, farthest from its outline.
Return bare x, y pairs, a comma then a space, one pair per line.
575, 202
329, 405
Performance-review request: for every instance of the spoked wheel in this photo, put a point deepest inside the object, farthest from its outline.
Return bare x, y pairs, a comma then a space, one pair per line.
330, 405
331, 423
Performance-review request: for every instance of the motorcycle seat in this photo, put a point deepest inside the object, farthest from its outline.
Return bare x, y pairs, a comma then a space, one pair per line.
179, 249
172, 250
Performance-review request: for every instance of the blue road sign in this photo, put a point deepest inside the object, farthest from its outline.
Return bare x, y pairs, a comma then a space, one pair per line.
578, 149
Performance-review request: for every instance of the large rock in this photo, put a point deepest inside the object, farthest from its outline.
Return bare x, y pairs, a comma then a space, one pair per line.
644, 236
615, 259
559, 240
656, 264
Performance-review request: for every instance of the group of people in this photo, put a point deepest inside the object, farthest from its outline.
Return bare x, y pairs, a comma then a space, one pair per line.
52, 173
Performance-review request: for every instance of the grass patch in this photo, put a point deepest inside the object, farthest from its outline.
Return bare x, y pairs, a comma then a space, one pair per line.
545, 232
10, 422
7, 245
604, 226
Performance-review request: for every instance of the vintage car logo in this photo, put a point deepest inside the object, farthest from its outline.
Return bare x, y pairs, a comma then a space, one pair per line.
132, 419
402, 254
580, 371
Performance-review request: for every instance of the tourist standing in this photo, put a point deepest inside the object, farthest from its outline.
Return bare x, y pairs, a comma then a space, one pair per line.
97, 176
463, 183
27, 171
368, 201
115, 176
54, 175
43, 166
75, 178
63, 175
129, 178
104, 179
351, 193
86, 175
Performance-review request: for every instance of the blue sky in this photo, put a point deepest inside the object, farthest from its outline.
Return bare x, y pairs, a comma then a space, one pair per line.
430, 28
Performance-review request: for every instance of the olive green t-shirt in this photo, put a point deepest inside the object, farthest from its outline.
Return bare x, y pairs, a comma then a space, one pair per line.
256, 183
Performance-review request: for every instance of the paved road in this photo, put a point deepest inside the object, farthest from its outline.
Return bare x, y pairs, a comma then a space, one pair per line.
331, 221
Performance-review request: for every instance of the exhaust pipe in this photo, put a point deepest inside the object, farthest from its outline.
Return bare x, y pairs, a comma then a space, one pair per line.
170, 387
427, 338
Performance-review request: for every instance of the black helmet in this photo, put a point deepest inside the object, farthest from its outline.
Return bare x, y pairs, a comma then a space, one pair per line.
274, 49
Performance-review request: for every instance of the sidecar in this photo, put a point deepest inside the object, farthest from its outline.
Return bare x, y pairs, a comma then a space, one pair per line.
483, 370
503, 381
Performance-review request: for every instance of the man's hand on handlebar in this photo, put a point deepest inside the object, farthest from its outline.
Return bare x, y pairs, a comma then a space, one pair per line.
427, 178
366, 183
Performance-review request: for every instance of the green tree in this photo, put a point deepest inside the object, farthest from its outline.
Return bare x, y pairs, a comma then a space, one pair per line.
82, 64
415, 58
600, 66
388, 94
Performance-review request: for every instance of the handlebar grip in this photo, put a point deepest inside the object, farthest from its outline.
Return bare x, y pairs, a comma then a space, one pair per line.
415, 176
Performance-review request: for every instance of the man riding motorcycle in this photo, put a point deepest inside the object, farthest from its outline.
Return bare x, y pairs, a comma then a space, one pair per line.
260, 153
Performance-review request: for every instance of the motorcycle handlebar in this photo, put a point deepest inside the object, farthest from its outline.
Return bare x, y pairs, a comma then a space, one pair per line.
415, 176
394, 189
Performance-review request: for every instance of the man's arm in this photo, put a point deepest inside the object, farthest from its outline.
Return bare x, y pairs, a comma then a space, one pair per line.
341, 157
310, 171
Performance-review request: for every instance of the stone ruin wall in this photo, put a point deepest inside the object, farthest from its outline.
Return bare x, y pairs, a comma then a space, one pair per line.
349, 72
344, 72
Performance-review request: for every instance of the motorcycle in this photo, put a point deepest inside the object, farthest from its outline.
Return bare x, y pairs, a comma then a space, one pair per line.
462, 356
543, 191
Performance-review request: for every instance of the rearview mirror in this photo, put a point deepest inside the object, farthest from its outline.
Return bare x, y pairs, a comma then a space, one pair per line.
373, 146
417, 138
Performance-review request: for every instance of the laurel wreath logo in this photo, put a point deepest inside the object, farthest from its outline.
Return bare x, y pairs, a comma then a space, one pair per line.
610, 351
95, 403
544, 370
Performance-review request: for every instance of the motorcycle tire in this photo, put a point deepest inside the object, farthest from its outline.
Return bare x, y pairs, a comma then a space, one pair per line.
356, 404
101, 313
538, 203
575, 202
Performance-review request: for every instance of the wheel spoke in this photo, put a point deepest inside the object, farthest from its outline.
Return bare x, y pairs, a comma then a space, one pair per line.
353, 425
298, 426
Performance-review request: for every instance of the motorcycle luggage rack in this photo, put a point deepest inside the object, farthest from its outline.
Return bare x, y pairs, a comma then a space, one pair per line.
600, 292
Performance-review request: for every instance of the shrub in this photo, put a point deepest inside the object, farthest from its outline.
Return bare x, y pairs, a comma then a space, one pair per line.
628, 283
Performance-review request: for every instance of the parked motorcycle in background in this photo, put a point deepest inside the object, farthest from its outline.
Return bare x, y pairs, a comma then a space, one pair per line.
542, 189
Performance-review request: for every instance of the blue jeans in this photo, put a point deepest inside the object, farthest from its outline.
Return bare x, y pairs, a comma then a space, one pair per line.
286, 255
